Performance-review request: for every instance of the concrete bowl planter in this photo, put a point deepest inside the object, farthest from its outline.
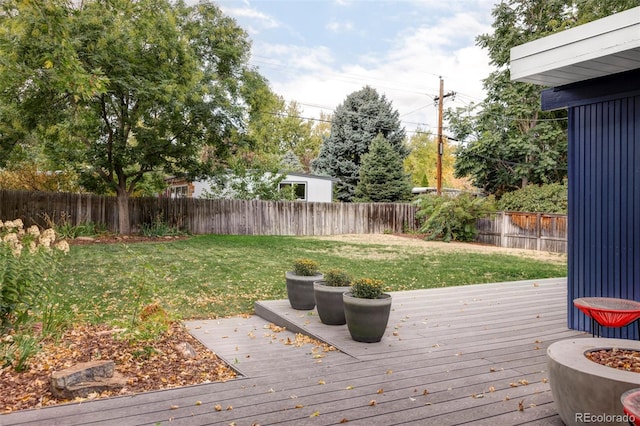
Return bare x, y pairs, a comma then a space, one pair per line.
366, 318
583, 390
300, 290
329, 302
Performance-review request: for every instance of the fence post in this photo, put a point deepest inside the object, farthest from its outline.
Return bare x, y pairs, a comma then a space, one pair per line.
538, 231
503, 230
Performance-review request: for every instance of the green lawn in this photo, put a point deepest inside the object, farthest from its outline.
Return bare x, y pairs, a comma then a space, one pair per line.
214, 276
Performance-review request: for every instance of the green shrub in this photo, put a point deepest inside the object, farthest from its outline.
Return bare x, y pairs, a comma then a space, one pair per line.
367, 288
306, 267
66, 230
337, 278
85, 229
159, 228
548, 198
452, 217
27, 257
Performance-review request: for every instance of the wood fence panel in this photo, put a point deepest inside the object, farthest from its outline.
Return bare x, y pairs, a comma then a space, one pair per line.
534, 231
205, 216
530, 231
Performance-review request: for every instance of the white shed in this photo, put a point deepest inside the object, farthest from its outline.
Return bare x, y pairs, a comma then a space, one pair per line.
310, 188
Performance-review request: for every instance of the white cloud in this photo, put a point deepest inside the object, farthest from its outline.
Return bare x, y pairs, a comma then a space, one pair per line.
339, 27
259, 21
406, 73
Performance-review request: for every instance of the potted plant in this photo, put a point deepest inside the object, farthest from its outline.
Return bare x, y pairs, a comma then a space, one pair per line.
328, 294
300, 283
366, 310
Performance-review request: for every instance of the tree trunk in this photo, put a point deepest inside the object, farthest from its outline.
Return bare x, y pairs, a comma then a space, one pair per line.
122, 199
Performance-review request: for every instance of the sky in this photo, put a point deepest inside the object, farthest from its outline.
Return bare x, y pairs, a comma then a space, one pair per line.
317, 52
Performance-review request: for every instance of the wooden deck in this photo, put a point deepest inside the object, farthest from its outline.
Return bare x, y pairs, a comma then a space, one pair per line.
471, 354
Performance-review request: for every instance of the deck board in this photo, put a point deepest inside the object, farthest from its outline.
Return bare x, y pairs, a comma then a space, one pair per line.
453, 355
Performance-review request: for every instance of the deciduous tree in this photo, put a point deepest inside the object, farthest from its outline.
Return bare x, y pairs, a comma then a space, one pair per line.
122, 88
508, 141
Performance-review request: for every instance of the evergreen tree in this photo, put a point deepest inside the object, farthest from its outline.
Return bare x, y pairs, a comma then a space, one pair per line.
356, 122
290, 163
382, 177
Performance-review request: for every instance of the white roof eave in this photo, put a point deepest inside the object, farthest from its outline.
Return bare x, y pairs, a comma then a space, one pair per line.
607, 46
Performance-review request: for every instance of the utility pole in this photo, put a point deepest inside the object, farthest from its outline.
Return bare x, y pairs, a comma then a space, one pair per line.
440, 100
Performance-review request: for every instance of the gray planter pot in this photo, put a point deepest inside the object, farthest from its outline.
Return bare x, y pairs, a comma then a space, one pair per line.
366, 318
329, 303
581, 387
300, 290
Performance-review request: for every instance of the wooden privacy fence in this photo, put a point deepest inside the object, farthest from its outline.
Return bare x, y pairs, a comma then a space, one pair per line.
532, 231
203, 216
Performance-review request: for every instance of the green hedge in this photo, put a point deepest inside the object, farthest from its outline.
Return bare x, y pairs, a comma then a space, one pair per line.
549, 198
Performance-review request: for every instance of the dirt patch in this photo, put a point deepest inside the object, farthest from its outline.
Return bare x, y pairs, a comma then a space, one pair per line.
417, 243
621, 359
146, 365
123, 239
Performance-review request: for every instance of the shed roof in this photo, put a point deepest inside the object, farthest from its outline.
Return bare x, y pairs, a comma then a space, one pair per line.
603, 47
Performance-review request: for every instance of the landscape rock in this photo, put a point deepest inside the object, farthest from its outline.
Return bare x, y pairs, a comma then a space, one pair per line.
186, 350
86, 378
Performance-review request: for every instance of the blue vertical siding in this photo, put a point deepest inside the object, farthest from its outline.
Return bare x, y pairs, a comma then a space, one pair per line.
604, 205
